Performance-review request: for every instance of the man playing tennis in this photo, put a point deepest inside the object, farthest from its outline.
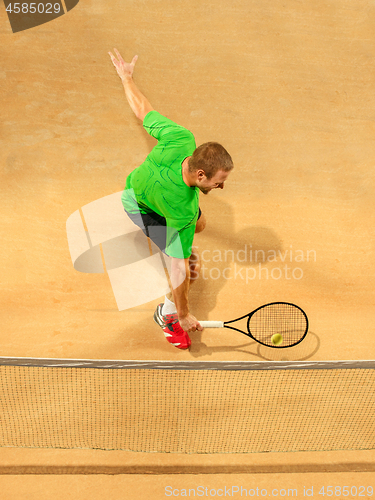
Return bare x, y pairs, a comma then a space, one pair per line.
162, 197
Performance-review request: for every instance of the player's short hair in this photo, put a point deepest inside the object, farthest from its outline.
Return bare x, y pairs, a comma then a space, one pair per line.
210, 157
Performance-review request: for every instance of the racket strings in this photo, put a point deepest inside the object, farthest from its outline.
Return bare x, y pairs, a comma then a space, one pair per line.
284, 319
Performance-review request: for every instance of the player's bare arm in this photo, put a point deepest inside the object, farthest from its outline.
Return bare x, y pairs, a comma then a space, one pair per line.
180, 270
137, 101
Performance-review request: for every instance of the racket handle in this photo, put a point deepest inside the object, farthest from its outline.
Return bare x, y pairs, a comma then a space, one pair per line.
212, 324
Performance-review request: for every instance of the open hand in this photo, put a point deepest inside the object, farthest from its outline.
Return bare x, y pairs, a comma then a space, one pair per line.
124, 69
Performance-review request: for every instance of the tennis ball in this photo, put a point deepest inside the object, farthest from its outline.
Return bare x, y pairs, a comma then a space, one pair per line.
277, 339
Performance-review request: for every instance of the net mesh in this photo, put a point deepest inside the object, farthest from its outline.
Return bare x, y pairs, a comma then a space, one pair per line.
187, 410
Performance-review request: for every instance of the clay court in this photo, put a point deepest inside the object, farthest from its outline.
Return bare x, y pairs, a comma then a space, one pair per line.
287, 87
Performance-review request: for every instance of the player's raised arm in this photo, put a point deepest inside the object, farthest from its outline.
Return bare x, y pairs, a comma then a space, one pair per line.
137, 101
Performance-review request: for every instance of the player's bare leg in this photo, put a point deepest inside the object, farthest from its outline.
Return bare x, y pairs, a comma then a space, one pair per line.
168, 308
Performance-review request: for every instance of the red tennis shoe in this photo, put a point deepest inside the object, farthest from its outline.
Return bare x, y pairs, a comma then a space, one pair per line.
172, 329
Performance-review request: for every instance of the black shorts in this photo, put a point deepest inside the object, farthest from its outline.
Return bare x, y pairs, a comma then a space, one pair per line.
154, 227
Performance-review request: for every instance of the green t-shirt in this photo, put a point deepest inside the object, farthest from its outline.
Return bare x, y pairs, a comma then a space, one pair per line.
157, 185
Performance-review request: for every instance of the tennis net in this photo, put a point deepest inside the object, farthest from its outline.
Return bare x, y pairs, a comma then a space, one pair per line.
187, 407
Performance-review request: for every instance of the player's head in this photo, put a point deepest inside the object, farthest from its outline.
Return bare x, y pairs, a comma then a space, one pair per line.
211, 164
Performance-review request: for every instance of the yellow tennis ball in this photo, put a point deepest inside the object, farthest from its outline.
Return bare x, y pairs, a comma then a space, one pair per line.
277, 339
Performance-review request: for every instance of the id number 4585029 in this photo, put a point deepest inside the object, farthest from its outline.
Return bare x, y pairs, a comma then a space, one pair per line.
33, 8
346, 491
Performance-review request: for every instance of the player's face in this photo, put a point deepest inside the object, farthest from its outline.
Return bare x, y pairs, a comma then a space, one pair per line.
216, 182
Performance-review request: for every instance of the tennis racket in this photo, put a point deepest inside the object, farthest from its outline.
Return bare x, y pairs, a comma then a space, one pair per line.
278, 324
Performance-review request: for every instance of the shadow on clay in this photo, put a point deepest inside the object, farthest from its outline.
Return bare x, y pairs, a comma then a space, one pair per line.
219, 245
303, 351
